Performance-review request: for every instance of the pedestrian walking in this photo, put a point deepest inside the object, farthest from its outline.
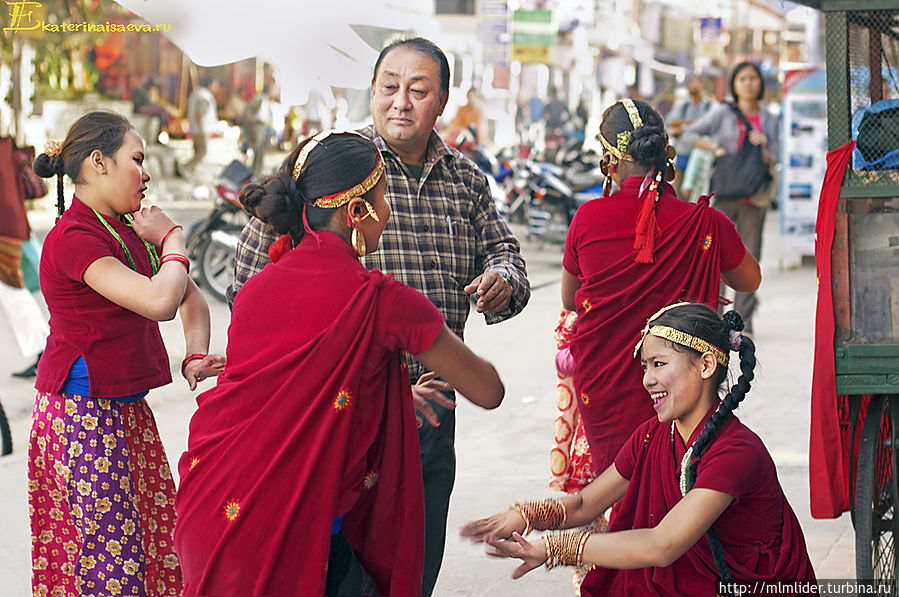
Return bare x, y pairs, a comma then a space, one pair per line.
100, 490
302, 467
202, 118
723, 131
627, 255
699, 507
445, 239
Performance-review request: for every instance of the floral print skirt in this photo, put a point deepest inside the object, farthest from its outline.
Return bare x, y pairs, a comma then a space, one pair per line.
101, 499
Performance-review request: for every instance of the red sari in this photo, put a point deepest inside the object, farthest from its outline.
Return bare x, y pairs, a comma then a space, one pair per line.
694, 244
759, 532
312, 419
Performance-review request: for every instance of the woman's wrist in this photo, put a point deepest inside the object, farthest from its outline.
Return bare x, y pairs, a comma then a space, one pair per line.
197, 356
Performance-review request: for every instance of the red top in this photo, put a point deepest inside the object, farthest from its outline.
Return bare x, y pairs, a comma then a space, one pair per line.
694, 244
759, 532
311, 419
123, 350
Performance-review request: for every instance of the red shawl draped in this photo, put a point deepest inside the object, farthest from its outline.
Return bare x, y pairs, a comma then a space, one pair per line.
828, 445
285, 443
750, 551
693, 245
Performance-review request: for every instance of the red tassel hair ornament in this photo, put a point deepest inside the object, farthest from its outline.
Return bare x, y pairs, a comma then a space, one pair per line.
280, 248
646, 226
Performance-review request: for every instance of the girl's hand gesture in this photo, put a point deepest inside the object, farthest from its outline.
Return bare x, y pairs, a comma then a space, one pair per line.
198, 370
499, 526
151, 224
532, 555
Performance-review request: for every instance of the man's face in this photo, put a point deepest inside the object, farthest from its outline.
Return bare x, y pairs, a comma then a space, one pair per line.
406, 99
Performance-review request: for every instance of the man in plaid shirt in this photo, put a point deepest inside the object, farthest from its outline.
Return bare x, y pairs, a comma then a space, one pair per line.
444, 238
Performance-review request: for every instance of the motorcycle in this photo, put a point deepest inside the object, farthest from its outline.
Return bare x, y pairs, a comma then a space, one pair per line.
212, 241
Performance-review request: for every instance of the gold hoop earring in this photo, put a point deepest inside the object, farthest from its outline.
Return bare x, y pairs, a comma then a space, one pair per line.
358, 241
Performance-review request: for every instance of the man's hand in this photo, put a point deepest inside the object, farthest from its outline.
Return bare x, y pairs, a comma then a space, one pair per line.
494, 293
429, 388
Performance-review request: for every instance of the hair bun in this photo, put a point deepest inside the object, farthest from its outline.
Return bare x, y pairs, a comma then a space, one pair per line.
250, 196
48, 166
647, 145
734, 321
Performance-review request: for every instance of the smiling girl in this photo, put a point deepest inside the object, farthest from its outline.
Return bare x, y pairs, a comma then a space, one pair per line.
699, 504
100, 489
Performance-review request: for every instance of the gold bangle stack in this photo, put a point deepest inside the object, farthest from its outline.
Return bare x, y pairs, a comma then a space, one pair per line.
542, 515
565, 549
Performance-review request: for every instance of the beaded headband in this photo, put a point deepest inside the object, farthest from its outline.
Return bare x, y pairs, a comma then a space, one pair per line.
340, 198
624, 137
53, 148
679, 337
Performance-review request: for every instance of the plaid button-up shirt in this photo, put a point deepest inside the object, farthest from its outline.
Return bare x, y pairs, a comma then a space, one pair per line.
443, 232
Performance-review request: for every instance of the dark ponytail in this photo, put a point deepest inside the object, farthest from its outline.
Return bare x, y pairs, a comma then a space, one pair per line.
103, 131
700, 321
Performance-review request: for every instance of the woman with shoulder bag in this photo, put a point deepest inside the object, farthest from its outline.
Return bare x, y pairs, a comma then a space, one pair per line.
723, 131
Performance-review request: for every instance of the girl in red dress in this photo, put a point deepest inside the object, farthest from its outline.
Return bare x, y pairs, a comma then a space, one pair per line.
100, 490
303, 467
699, 508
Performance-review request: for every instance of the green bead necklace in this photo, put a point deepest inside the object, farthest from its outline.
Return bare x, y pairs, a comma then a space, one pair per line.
151, 251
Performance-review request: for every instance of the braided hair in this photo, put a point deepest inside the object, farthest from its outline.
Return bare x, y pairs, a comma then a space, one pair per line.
702, 322
103, 131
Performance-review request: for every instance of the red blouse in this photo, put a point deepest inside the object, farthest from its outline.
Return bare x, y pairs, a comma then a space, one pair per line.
124, 351
694, 244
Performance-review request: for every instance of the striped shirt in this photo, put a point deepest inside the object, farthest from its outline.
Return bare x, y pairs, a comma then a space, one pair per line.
443, 232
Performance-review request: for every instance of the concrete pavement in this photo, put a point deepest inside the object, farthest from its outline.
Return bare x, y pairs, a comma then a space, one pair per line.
503, 455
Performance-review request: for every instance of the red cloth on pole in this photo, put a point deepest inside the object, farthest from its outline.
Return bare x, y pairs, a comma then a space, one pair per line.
828, 471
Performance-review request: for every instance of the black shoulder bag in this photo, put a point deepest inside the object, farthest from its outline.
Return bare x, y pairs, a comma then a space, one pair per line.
742, 174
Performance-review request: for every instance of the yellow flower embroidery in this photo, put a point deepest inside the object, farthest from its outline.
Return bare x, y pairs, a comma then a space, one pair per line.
114, 586
70, 407
170, 561
371, 479
707, 242
585, 398
70, 547
128, 527
40, 563
232, 510
587, 305
102, 464
89, 422
103, 505
342, 401
193, 462
114, 547
88, 562
130, 566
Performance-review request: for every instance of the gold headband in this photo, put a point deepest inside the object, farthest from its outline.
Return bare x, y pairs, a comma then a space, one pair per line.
679, 337
624, 137
338, 199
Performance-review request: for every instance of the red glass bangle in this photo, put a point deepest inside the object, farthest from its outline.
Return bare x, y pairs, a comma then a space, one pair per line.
182, 259
197, 356
172, 229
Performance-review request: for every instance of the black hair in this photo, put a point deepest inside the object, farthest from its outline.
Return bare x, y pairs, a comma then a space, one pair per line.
648, 144
700, 321
422, 46
339, 162
736, 71
103, 131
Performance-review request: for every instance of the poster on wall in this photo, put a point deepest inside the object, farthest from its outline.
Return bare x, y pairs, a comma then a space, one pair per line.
803, 157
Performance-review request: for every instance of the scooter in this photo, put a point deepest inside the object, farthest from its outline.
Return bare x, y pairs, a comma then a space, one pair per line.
212, 241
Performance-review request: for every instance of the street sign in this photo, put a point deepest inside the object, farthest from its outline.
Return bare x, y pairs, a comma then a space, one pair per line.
534, 35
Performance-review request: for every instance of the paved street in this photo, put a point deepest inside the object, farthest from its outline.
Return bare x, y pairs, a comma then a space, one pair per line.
503, 455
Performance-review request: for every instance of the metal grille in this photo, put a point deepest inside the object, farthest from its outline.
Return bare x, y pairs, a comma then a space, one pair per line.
872, 48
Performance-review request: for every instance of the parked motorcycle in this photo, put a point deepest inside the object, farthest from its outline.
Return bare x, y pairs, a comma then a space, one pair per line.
212, 241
